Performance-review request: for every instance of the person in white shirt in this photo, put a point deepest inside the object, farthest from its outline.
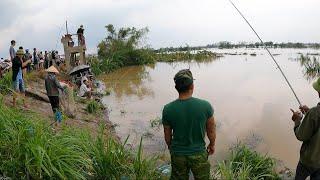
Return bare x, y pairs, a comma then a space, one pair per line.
85, 90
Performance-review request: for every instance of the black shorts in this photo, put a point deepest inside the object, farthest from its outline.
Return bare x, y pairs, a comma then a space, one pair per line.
54, 101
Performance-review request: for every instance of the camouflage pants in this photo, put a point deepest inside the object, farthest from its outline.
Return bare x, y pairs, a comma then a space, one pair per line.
198, 164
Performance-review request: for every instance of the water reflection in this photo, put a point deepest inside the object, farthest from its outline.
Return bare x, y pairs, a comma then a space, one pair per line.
311, 66
130, 81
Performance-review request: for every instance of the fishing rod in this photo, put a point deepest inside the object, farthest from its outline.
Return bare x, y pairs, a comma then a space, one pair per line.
274, 60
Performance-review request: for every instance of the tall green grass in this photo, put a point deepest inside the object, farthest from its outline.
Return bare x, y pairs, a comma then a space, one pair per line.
246, 164
6, 83
29, 149
93, 107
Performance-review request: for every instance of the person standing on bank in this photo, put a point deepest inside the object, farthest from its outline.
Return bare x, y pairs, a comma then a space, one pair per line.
52, 87
308, 131
17, 76
186, 121
12, 52
35, 59
80, 32
27, 56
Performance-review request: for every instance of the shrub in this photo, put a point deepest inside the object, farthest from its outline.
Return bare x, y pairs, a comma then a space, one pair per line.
245, 164
93, 107
121, 48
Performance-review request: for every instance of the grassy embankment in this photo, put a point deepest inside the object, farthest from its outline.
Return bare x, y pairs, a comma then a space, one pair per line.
29, 149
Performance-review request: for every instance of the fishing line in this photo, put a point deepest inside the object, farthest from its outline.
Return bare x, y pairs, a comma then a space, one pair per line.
274, 60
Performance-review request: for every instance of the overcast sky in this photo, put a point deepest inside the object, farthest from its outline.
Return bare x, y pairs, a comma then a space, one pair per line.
40, 23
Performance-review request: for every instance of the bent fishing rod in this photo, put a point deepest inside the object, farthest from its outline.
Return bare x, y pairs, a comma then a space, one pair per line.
274, 60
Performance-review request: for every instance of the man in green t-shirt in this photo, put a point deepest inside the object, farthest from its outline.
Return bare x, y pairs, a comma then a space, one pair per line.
308, 131
186, 121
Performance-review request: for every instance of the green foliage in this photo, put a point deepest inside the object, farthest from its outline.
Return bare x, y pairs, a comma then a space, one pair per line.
110, 159
29, 149
93, 107
121, 48
144, 167
311, 66
246, 164
6, 83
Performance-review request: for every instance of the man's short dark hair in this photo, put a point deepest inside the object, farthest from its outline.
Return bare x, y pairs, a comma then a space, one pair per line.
20, 47
182, 88
13, 41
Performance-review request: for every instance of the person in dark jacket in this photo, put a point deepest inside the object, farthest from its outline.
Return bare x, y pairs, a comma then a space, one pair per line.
308, 131
80, 32
17, 76
52, 87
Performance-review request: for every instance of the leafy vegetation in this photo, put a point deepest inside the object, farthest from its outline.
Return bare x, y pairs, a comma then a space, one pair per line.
121, 48
29, 149
246, 164
93, 107
311, 66
6, 83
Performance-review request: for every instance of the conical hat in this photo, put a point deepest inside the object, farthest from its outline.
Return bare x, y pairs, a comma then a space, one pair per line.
52, 69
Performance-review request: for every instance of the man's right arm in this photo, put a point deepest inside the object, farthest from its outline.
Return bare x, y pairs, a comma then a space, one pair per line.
211, 133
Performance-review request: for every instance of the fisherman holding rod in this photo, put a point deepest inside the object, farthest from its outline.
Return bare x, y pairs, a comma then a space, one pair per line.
308, 131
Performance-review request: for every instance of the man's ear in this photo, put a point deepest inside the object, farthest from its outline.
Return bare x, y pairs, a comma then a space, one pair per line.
192, 87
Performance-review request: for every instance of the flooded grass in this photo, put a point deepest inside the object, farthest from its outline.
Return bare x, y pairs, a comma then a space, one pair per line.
311, 66
198, 56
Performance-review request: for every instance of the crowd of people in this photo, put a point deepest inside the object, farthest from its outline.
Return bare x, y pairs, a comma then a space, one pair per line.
39, 60
22, 62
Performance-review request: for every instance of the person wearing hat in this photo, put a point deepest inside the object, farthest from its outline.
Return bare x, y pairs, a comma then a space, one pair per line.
186, 120
308, 131
52, 86
80, 32
25, 58
17, 75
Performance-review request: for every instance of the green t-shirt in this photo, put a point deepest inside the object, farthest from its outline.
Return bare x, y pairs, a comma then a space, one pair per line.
187, 118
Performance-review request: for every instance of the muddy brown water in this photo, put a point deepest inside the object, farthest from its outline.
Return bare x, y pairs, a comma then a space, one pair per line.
250, 98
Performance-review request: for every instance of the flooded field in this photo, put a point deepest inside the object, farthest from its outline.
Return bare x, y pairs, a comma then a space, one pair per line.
250, 98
